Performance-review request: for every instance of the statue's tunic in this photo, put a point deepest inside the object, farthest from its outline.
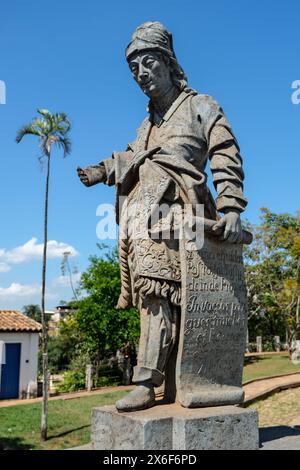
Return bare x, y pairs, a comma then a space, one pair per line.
193, 130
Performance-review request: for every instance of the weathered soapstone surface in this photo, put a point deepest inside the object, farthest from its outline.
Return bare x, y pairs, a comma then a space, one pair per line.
214, 325
169, 427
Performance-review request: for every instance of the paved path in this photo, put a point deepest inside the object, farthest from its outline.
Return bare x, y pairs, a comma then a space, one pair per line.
267, 353
275, 437
66, 396
280, 438
253, 390
263, 387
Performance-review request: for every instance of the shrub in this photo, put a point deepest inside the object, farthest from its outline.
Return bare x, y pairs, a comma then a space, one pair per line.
73, 380
268, 346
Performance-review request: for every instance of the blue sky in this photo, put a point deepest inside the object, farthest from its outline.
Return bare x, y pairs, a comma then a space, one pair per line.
69, 55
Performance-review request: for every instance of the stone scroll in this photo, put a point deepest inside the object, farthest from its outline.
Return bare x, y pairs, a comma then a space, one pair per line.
214, 325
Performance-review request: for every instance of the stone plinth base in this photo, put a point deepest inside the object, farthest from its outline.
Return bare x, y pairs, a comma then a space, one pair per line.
168, 427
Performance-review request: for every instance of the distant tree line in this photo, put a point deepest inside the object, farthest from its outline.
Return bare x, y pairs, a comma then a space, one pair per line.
273, 277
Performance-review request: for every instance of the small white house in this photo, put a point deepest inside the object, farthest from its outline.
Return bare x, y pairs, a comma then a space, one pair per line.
19, 339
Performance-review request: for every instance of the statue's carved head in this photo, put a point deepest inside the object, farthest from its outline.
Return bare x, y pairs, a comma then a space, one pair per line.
152, 60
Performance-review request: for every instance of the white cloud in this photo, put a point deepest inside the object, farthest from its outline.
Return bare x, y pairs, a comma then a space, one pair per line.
33, 250
19, 290
17, 295
4, 268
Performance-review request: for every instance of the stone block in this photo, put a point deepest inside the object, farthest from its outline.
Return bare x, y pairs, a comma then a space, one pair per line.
172, 427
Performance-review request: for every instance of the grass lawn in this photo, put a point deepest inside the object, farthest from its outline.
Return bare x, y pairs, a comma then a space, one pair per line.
68, 423
266, 366
281, 409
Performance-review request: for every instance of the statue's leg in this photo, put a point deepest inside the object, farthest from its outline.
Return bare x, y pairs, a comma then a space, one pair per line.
158, 335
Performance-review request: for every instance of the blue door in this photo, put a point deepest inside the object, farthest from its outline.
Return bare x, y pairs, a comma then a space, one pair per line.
10, 371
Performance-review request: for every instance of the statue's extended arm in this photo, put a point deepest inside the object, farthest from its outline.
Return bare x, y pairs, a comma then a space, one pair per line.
228, 174
109, 171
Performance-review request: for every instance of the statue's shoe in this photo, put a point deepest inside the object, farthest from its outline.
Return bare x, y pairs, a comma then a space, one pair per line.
140, 398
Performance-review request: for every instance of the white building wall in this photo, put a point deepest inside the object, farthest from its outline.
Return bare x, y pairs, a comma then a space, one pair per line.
29, 358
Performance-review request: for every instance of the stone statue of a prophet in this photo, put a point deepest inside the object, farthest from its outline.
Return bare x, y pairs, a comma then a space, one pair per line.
192, 304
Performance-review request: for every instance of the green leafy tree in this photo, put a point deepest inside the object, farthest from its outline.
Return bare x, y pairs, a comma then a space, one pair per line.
273, 275
33, 311
61, 349
51, 130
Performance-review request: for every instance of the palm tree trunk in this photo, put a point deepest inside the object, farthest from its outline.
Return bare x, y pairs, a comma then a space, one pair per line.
71, 280
44, 322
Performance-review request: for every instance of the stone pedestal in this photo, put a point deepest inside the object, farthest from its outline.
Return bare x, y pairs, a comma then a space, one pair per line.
169, 427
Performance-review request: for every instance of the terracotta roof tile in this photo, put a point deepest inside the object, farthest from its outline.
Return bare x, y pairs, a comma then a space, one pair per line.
11, 320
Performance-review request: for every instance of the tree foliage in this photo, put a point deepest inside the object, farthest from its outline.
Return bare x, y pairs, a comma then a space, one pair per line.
61, 351
33, 311
51, 129
273, 276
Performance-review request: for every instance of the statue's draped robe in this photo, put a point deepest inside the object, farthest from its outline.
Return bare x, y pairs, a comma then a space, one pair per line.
193, 130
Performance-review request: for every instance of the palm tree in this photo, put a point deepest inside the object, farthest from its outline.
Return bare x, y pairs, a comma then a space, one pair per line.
51, 129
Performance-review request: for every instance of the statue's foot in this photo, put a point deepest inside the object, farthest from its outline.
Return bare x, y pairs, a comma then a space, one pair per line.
140, 398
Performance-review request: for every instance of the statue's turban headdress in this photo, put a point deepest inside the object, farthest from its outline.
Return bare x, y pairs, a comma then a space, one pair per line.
152, 35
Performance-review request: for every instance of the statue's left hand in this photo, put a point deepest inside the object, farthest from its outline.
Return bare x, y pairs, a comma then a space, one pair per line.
231, 227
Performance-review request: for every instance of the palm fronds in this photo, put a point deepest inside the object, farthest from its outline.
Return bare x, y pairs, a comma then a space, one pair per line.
51, 129
26, 130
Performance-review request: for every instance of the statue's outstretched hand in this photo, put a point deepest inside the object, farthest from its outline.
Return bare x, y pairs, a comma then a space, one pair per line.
83, 176
231, 227
92, 174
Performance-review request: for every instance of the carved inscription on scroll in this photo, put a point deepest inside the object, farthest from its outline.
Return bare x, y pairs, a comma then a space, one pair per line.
214, 318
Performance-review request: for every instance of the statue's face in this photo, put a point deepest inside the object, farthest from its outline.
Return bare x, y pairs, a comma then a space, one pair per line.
151, 73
